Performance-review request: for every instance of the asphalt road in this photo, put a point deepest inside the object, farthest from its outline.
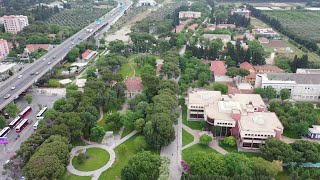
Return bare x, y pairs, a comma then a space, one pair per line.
54, 56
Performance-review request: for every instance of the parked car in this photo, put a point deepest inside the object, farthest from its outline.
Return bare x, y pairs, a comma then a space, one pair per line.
19, 76
12, 88
7, 96
37, 73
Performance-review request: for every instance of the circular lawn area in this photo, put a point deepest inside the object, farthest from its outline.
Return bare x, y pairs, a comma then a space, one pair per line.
95, 159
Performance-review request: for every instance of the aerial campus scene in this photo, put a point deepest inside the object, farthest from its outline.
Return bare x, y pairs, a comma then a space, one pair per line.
159, 90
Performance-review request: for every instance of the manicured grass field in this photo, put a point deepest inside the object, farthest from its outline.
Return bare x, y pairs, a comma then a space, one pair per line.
186, 138
235, 150
126, 71
97, 158
69, 176
121, 161
196, 125
191, 151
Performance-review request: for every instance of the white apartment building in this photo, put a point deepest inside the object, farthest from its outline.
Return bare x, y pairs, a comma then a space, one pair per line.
189, 14
14, 24
241, 115
303, 87
4, 49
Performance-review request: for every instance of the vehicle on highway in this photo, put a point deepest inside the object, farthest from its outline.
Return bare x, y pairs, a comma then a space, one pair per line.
72, 43
49, 63
12, 88
5, 131
54, 57
25, 112
44, 59
22, 125
40, 113
32, 73
19, 76
35, 126
7, 96
37, 73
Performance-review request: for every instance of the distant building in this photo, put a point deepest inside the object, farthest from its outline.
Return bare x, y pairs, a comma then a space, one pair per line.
210, 27
14, 24
308, 71
224, 37
241, 115
225, 26
189, 14
146, 3
263, 40
193, 27
244, 12
302, 87
267, 32
5, 70
30, 48
134, 86
4, 48
314, 132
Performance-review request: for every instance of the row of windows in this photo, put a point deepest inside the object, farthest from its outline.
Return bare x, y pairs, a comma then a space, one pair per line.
196, 107
224, 123
259, 135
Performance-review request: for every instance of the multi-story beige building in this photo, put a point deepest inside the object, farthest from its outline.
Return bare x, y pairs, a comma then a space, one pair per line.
241, 115
14, 24
189, 14
4, 49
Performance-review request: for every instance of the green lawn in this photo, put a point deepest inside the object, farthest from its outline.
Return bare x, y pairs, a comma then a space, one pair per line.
196, 125
186, 138
126, 132
235, 150
97, 158
121, 161
69, 176
126, 71
191, 151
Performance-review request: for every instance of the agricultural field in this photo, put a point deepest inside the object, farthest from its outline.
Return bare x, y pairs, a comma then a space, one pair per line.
77, 18
305, 24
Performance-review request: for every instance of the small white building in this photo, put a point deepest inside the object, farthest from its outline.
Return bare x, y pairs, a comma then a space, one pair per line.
303, 87
146, 3
189, 14
314, 132
5, 69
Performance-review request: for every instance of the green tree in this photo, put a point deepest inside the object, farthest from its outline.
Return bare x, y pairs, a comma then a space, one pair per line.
144, 165
268, 92
57, 105
12, 109
28, 98
275, 149
223, 88
205, 139
139, 124
208, 163
230, 141
96, 133
233, 72
203, 78
3, 122
73, 54
72, 87
140, 143
170, 69
306, 151
285, 94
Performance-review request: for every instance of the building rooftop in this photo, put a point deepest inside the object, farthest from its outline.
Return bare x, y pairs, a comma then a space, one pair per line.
264, 31
204, 97
298, 78
52, 35
274, 69
88, 54
308, 71
260, 122
218, 68
181, 26
134, 84
223, 37
263, 40
315, 129
210, 27
193, 27
34, 47
6, 67
246, 65
226, 26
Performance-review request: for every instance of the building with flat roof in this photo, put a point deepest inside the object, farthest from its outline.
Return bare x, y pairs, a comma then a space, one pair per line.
308, 71
146, 3
244, 12
4, 48
224, 37
15, 23
303, 87
189, 14
314, 132
225, 26
241, 115
5, 69
266, 32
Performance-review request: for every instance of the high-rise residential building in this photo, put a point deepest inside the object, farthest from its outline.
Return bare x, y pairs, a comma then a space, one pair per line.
14, 24
4, 49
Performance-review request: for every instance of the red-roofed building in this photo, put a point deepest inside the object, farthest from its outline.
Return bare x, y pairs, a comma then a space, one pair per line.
134, 86
251, 78
181, 26
219, 71
193, 27
52, 35
34, 47
263, 40
211, 27
88, 54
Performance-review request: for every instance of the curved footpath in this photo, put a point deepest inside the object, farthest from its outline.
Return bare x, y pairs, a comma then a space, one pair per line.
96, 173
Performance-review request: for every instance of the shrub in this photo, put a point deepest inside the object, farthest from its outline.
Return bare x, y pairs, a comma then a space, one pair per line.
230, 141
205, 139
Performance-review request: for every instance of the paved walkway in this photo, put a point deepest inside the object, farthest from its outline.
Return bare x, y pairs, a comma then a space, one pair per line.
173, 152
120, 141
214, 144
94, 174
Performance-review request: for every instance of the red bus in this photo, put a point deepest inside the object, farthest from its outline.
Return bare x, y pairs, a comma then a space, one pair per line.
14, 122
25, 112
4, 132
22, 125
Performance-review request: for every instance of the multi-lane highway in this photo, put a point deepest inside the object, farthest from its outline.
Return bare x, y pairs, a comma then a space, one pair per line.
29, 75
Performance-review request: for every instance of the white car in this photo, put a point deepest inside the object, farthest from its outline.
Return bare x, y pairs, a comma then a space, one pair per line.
19, 76
73, 43
37, 73
12, 88
49, 63
7, 96
44, 59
